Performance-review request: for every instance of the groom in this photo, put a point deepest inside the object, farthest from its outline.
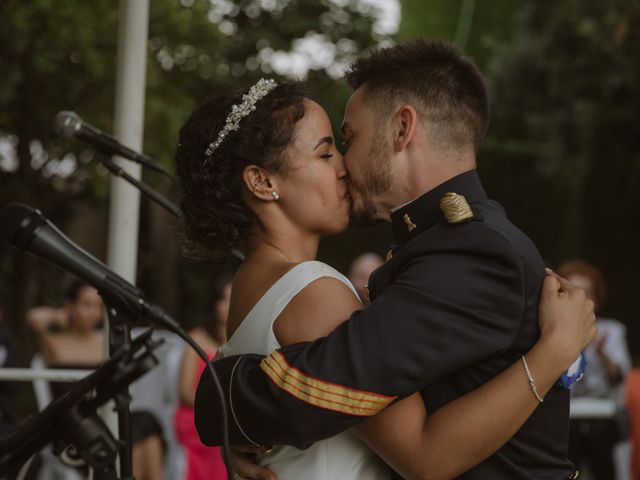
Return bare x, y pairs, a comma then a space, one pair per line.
455, 304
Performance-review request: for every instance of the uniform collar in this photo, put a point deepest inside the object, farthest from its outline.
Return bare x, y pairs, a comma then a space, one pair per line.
424, 212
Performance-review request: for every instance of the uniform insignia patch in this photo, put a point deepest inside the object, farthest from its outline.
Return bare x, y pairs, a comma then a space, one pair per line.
389, 255
409, 222
455, 208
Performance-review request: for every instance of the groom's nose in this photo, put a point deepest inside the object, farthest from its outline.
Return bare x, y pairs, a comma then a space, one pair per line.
345, 160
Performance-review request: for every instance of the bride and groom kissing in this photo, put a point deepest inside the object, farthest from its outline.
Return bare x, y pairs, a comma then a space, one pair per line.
452, 369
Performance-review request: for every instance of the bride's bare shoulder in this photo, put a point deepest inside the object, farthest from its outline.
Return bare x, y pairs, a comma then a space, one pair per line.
316, 311
251, 282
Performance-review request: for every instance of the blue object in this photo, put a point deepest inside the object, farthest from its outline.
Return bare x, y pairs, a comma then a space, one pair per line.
575, 372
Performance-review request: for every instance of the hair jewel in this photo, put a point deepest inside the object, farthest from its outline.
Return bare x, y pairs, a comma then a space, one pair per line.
238, 111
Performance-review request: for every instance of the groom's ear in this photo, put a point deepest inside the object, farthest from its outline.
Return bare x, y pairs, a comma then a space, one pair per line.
258, 181
403, 127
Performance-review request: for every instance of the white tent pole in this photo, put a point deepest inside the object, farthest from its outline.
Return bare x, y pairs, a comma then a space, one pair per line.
124, 206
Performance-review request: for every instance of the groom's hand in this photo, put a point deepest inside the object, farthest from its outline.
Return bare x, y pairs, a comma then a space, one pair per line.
242, 462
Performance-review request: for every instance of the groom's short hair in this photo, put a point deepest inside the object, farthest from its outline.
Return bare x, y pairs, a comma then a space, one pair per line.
446, 88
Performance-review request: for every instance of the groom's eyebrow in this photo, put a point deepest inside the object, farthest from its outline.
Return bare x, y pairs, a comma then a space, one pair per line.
328, 140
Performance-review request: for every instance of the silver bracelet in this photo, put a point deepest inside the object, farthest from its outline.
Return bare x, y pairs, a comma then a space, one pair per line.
532, 384
233, 412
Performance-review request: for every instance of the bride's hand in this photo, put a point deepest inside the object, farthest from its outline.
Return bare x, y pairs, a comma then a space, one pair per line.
241, 460
566, 318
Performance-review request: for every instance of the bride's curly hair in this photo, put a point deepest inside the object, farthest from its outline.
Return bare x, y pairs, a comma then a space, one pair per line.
215, 218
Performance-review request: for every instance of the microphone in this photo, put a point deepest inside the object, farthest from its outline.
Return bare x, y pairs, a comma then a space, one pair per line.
70, 125
27, 229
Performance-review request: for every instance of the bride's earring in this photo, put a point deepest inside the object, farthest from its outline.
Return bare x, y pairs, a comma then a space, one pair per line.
256, 181
275, 196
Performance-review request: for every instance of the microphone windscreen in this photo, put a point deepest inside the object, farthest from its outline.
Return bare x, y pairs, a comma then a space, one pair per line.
67, 123
14, 218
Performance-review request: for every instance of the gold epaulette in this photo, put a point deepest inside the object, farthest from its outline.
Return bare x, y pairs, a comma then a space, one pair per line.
455, 208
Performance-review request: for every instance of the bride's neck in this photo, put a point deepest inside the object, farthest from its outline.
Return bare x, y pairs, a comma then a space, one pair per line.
288, 246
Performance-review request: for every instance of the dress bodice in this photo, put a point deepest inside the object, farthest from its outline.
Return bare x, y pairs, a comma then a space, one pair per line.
342, 457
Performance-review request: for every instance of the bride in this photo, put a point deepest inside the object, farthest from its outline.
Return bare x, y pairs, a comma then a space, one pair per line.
260, 172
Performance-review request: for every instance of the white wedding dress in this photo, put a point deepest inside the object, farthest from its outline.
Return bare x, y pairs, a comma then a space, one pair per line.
343, 457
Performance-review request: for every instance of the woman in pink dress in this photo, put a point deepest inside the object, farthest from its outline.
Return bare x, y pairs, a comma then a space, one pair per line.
202, 462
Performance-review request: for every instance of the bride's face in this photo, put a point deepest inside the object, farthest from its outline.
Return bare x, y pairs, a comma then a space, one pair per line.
313, 190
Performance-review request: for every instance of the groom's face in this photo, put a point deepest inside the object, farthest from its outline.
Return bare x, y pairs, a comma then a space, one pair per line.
367, 159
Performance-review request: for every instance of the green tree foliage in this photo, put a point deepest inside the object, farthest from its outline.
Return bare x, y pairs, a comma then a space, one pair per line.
192, 58
563, 149
53, 56
477, 25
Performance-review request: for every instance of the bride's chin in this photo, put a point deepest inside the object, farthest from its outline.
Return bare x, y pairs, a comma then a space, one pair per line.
333, 232
345, 224
338, 228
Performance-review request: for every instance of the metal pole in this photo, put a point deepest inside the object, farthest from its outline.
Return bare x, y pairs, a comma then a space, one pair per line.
49, 374
124, 206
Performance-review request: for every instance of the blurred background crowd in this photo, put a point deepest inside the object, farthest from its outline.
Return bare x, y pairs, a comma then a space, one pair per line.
562, 154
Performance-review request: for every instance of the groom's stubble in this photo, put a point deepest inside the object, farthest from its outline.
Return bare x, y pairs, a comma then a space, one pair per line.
376, 180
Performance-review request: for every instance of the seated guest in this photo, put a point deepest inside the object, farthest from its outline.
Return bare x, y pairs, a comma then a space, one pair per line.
68, 337
359, 271
633, 407
592, 438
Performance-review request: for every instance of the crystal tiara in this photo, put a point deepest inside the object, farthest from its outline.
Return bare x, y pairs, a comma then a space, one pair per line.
241, 110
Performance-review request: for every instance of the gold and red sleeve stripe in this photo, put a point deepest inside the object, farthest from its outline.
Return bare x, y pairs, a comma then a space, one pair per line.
322, 394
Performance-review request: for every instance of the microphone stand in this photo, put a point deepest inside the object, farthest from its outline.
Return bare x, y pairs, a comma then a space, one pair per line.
144, 188
120, 337
72, 422
122, 314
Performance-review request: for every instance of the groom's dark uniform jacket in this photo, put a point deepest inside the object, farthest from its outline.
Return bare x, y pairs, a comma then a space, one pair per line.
455, 305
